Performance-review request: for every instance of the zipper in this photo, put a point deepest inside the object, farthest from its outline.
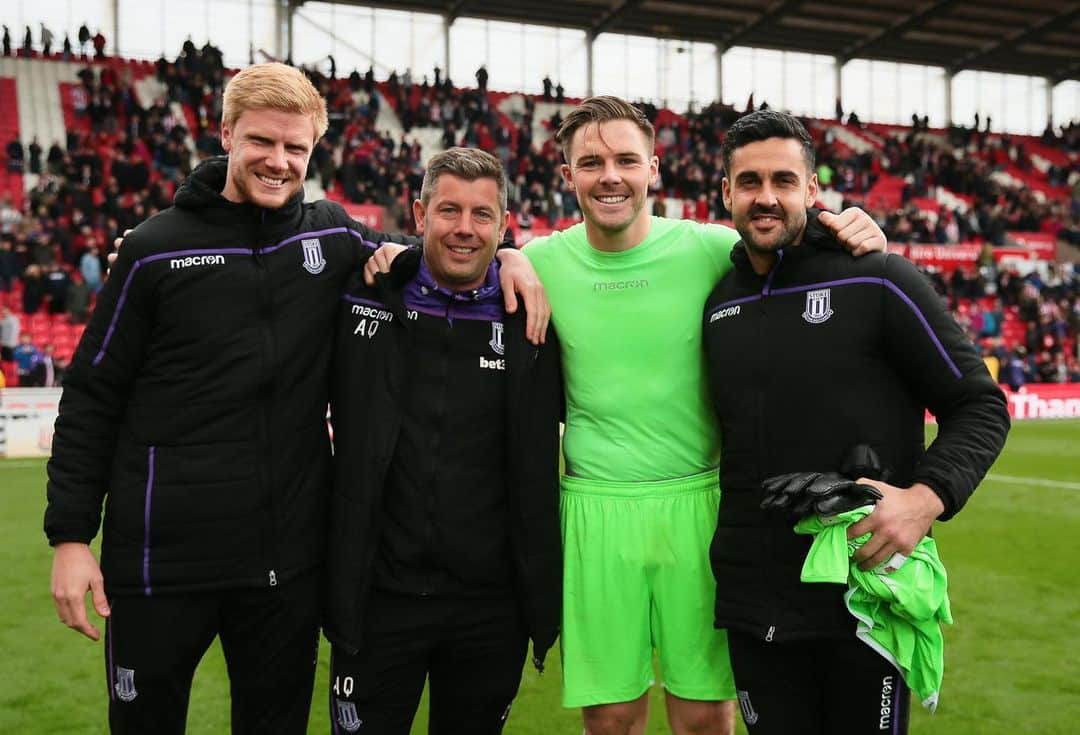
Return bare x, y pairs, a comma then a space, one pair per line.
264, 306
772, 274
764, 368
444, 335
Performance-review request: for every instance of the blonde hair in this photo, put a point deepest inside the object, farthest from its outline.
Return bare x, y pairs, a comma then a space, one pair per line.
273, 86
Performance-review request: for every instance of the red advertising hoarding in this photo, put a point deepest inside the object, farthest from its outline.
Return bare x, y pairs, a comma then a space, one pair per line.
368, 214
1042, 401
947, 258
1045, 401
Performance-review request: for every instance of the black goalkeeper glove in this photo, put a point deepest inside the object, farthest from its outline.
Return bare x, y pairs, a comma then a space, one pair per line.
848, 497
826, 493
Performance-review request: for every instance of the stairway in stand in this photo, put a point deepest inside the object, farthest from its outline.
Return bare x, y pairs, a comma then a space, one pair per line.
10, 183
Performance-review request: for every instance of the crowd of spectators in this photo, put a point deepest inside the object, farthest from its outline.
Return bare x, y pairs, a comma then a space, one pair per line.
1026, 325
371, 167
46, 39
122, 163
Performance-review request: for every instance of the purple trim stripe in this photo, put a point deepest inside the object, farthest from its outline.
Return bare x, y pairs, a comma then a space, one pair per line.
480, 313
896, 290
226, 251
131, 275
733, 302
146, 524
899, 710
319, 233
827, 284
110, 682
772, 272
364, 302
926, 325
302, 235
848, 282
364, 240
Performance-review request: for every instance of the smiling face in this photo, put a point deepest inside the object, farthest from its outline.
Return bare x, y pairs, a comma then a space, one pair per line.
462, 224
767, 190
611, 165
268, 156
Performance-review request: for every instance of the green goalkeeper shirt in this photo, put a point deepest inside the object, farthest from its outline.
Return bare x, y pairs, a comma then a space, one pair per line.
899, 614
630, 328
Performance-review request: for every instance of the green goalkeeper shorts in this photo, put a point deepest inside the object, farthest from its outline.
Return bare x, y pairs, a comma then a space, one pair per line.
636, 577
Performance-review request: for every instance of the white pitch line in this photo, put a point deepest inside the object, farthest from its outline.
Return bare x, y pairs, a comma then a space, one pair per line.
1010, 479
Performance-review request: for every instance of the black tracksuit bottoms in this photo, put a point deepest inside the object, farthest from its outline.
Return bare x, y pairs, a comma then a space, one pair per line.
473, 650
269, 636
817, 687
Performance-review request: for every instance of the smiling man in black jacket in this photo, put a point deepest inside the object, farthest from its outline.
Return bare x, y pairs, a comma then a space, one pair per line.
810, 354
195, 408
444, 555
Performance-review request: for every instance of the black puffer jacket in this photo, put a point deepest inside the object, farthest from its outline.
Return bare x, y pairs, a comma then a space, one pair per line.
826, 352
196, 401
370, 382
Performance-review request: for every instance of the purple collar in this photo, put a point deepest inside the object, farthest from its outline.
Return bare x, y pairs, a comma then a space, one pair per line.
485, 303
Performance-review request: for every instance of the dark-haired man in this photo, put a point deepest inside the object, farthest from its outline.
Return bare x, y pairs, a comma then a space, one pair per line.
444, 554
811, 354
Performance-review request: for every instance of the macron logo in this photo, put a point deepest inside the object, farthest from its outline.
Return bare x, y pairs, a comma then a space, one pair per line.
177, 263
730, 311
620, 285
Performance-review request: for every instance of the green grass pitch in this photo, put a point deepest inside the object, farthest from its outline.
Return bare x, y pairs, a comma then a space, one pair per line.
1012, 663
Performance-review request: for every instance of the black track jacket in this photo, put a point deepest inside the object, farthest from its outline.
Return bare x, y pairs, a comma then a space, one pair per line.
195, 404
826, 352
368, 383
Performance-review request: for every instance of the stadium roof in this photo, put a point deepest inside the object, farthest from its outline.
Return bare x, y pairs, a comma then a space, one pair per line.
1035, 37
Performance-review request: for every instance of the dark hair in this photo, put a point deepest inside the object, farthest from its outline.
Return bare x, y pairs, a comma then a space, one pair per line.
469, 164
601, 109
762, 125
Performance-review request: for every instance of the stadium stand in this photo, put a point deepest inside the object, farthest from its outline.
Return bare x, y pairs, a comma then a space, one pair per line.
973, 207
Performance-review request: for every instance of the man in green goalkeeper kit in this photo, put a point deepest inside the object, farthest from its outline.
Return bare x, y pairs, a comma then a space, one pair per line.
640, 494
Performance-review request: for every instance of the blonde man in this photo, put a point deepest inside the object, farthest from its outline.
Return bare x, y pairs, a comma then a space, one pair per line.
195, 408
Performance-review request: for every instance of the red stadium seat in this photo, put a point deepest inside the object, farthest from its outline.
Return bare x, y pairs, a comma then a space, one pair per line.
11, 375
